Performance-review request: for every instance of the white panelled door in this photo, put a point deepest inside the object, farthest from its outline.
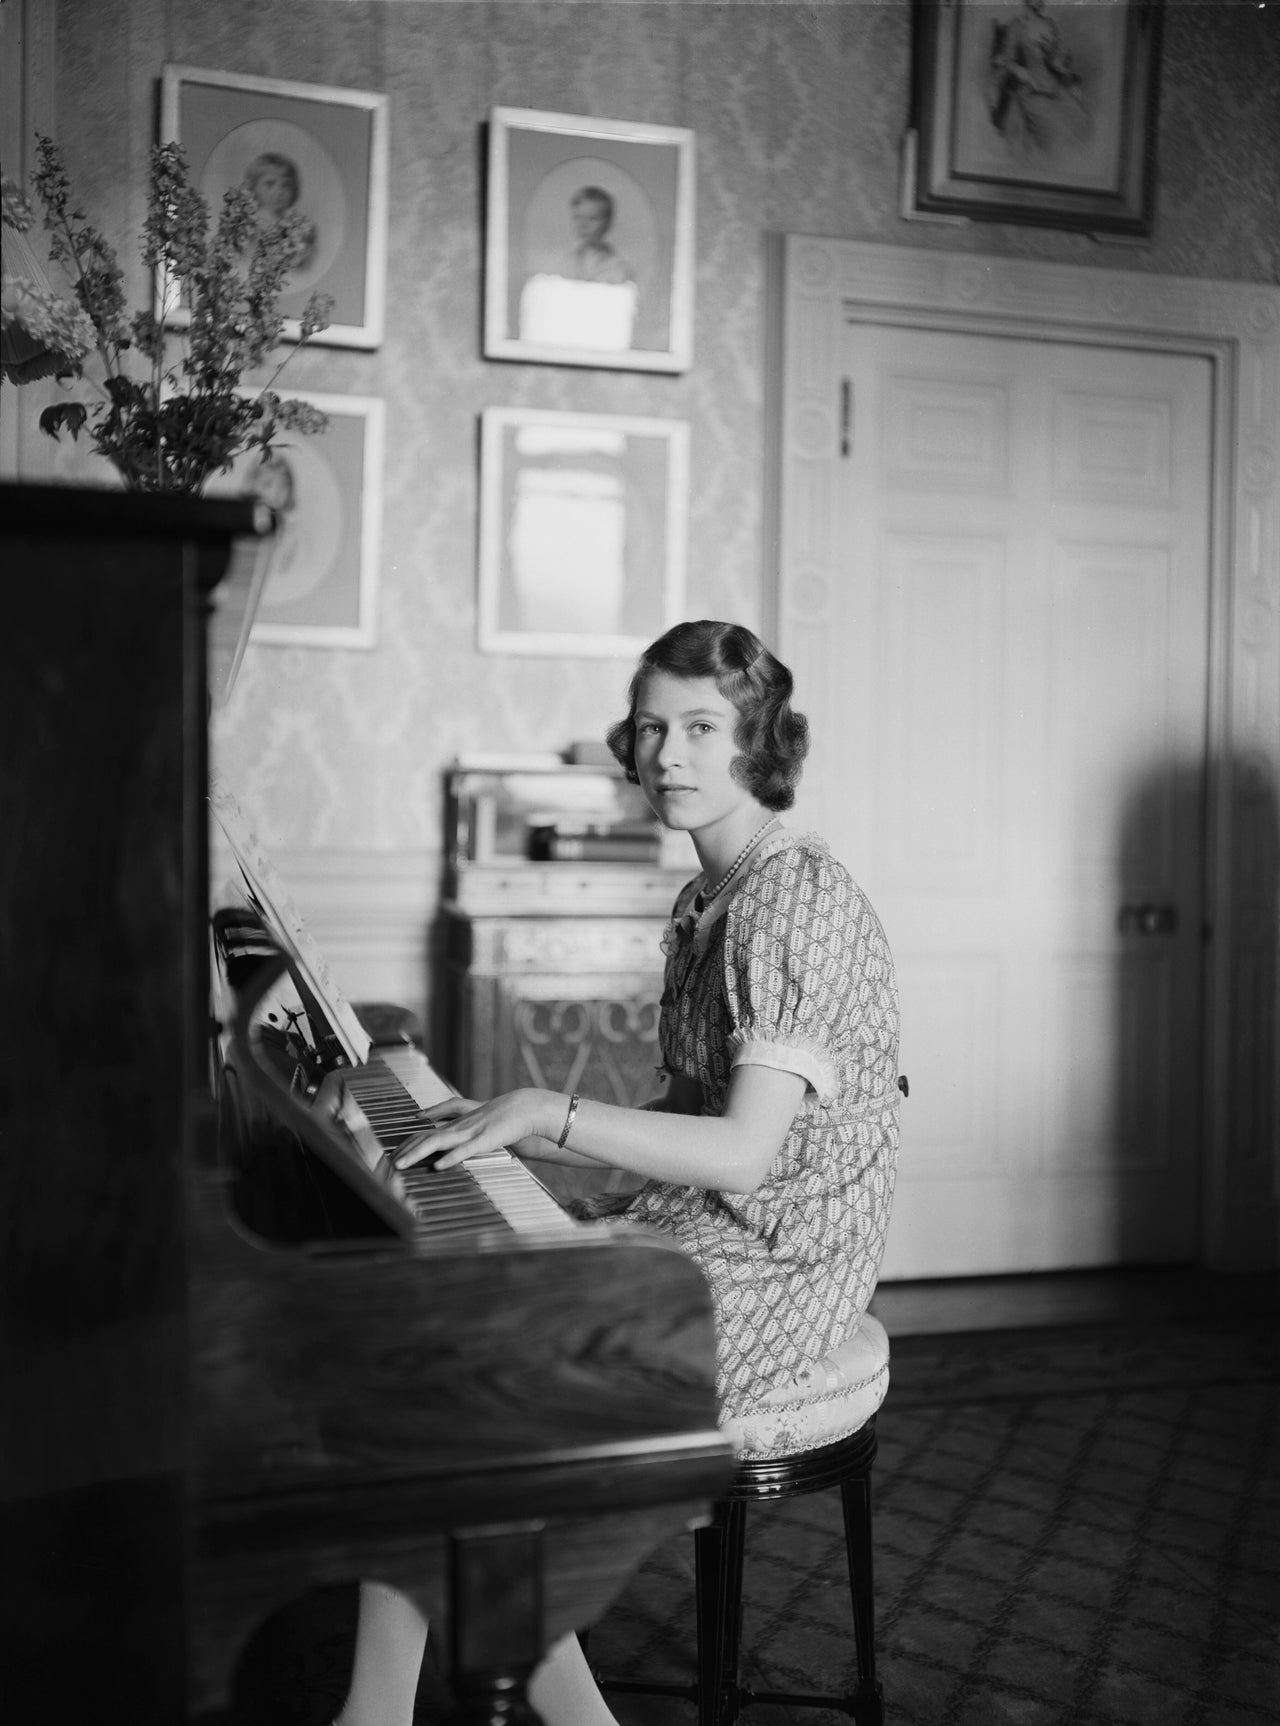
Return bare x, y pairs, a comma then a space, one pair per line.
1016, 776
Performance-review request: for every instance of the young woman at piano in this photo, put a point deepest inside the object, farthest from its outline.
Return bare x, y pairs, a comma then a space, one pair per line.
773, 1153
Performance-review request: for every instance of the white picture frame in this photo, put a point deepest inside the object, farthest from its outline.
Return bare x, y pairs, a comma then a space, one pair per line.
583, 521
589, 242
334, 144
321, 588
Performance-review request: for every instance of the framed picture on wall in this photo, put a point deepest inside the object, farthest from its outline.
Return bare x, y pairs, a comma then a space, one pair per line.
589, 242
1040, 111
582, 531
298, 147
326, 492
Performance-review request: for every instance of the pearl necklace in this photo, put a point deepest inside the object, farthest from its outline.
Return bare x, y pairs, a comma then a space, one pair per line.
708, 895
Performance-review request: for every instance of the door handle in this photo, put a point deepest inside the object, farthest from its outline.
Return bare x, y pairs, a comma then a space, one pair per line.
1148, 919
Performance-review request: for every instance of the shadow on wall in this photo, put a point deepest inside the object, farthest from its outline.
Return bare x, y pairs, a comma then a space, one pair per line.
1170, 977
1254, 929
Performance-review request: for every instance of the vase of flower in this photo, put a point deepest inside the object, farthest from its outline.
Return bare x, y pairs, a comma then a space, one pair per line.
169, 409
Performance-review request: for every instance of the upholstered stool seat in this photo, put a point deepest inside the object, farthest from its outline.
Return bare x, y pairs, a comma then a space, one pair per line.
816, 1432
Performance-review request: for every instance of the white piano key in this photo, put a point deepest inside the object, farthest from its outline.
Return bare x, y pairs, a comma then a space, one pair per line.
493, 1190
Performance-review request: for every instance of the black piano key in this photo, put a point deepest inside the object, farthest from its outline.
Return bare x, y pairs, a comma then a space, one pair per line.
486, 1193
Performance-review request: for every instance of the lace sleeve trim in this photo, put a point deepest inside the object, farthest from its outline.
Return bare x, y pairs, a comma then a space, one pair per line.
796, 1054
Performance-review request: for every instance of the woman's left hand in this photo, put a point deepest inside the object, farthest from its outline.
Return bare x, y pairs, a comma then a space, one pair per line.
460, 1128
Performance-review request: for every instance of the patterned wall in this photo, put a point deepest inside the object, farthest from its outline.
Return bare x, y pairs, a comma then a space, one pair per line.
798, 110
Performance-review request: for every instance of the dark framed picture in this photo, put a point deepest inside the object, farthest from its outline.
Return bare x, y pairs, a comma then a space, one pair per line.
308, 148
325, 490
582, 531
589, 242
1035, 111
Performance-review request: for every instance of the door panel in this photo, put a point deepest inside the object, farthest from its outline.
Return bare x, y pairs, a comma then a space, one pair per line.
1018, 758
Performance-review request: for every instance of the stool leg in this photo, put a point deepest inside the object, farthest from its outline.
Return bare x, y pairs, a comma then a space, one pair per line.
708, 1560
718, 1552
855, 1496
735, 1539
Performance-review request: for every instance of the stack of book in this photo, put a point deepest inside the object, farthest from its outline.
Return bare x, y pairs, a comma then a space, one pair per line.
570, 841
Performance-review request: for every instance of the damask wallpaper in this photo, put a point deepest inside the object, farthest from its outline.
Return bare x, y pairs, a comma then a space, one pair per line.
799, 111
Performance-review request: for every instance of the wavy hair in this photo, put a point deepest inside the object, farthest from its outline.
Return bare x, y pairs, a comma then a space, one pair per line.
772, 737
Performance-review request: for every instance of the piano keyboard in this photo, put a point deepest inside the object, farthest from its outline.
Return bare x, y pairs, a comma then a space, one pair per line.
491, 1191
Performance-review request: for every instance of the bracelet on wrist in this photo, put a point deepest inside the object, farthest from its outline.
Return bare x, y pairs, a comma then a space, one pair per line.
574, 1100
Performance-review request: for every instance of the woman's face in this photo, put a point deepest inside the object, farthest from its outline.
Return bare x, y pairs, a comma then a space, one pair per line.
684, 749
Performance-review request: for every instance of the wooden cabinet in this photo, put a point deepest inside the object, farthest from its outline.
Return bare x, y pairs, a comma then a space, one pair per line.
554, 968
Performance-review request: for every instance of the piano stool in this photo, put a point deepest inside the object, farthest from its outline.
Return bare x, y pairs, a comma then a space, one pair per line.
808, 1437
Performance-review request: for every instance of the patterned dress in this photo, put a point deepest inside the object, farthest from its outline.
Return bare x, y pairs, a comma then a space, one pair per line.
790, 969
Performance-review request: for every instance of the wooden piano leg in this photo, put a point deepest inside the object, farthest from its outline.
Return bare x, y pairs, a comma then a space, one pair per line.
496, 1615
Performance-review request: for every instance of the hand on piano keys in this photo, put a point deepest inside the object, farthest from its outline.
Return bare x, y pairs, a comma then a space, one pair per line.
457, 1130
388, 1099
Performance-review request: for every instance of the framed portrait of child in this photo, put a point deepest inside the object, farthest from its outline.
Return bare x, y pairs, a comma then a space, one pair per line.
325, 497
589, 242
309, 150
582, 531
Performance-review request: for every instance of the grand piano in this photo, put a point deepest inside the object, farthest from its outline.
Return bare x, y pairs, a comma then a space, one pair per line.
240, 1358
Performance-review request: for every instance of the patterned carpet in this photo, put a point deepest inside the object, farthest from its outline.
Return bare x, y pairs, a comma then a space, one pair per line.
1073, 1527
1070, 1526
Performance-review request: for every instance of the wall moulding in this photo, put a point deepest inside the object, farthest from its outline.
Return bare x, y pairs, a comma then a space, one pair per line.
821, 285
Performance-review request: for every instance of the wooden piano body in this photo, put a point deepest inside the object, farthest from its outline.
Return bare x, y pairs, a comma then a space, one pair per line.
200, 1424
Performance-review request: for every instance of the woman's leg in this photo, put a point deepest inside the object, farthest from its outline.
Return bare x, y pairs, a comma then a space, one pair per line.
391, 1635
563, 1690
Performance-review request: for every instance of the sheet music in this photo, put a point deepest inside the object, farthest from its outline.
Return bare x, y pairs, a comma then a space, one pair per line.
285, 922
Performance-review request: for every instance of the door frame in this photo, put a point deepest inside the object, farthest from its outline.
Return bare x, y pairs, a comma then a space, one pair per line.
816, 287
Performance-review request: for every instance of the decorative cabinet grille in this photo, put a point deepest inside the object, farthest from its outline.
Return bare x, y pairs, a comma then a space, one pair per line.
553, 969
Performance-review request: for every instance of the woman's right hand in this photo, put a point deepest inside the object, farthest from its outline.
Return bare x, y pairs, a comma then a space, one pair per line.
459, 1128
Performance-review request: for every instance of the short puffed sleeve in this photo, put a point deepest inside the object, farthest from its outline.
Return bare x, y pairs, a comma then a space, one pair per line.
796, 942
